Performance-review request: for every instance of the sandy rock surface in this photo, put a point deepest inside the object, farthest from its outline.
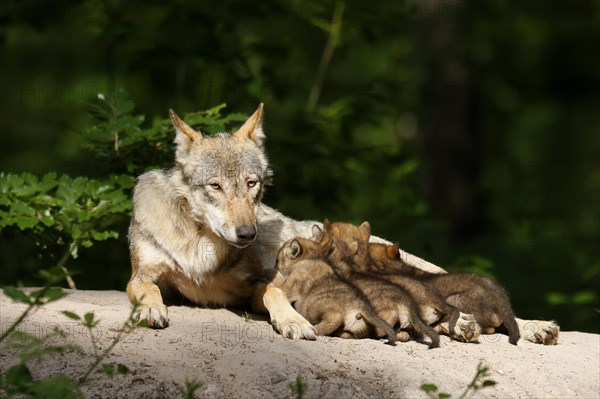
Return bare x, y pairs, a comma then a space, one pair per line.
238, 358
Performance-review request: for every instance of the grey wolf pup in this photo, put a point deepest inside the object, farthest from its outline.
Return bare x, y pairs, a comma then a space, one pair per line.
194, 229
333, 306
468, 292
433, 308
391, 302
471, 293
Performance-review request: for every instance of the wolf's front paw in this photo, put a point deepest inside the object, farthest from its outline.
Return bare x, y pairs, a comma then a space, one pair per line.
539, 331
466, 329
295, 327
156, 316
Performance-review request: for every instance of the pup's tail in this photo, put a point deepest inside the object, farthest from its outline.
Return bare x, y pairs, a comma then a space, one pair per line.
420, 327
513, 330
380, 325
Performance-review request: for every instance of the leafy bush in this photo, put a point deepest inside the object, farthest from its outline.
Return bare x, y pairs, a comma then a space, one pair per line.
62, 213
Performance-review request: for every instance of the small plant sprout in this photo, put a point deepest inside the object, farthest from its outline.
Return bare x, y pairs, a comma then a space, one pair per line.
474, 386
247, 317
298, 387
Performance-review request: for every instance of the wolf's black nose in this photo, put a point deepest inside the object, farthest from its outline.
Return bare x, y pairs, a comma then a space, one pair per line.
246, 233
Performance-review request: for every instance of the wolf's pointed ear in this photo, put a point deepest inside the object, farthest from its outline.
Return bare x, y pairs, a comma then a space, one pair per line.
327, 225
252, 128
184, 135
317, 233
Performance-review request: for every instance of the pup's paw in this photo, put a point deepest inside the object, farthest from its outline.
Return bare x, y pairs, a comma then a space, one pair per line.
467, 329
155, 316
539, 331
295, 326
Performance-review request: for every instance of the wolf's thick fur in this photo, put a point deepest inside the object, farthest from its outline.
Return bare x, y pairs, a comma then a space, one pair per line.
193, 226
330, 304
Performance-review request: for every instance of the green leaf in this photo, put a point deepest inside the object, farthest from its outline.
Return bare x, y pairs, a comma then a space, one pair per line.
142, 323
54, 294
57, 387
19, 376
71, 315
16, 295
429, 388
89, 320
103, 235
488, 383
122, 369
26, 222
443, 395
22, 208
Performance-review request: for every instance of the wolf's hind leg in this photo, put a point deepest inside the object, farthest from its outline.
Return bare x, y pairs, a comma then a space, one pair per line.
142, 289
539, 331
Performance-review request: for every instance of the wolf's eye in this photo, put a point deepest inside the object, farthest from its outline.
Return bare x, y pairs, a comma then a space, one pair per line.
215, 186
251, 183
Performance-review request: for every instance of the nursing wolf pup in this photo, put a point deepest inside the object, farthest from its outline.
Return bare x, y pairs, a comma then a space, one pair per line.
333, 306
193, 226
468, 292
433, 308
391, 302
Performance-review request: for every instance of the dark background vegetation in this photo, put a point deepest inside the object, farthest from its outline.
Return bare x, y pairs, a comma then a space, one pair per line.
468, 131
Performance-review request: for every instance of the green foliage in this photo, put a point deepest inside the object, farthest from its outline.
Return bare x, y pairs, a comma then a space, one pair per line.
188, 391
476, 384
64, 211
18, 382
298, 388
120, 142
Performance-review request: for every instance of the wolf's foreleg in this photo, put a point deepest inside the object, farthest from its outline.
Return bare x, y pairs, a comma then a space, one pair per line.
289, 323
142, 289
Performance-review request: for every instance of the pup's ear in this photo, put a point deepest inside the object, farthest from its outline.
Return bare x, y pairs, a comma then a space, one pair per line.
295, 249
393, 251
327, 225
185, 136
365, 229
317, 233
252, 128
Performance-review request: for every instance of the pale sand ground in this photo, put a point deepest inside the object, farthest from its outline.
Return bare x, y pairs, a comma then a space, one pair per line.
234, 358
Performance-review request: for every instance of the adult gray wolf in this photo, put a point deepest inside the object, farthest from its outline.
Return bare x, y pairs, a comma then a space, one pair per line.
200, 229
